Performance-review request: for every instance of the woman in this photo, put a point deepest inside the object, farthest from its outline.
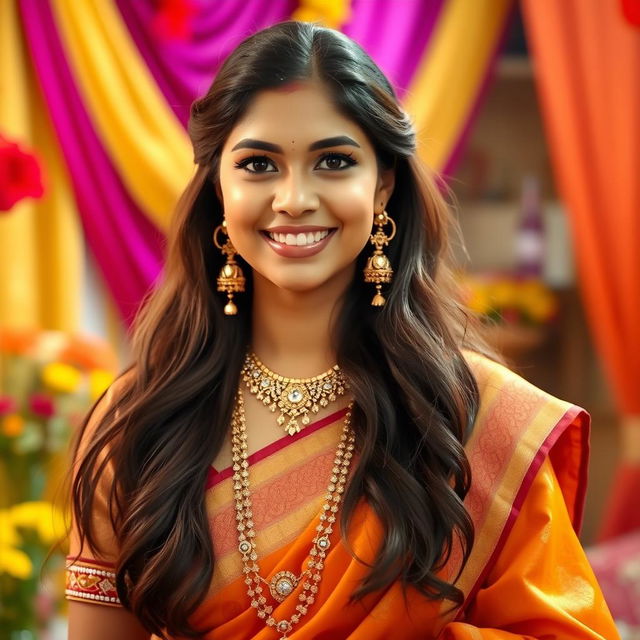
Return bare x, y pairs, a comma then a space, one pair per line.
396, 483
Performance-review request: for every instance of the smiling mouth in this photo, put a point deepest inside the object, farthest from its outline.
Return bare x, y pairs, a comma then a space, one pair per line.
301, 239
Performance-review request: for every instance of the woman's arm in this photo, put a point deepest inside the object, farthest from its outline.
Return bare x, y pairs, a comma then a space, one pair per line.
541, 585
97, 622
89, 576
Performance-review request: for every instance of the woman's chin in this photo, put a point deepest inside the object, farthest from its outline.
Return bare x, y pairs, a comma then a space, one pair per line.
304, 279
295, 286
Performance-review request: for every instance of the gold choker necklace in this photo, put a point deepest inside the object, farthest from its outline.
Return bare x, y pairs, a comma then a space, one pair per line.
283, 583
294, 397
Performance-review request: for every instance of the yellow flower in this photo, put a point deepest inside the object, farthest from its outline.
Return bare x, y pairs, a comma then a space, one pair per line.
479, 299
45, 518
537, 300
26, 514
8, 534
61, 377
502, 293
99, 380
13, 561
52, 528
12, 425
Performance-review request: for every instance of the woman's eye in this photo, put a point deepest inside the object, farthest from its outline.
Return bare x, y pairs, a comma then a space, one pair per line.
259, 164
333, 160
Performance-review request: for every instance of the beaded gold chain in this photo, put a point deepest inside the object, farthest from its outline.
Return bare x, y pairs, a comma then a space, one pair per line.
294, 397
283, 583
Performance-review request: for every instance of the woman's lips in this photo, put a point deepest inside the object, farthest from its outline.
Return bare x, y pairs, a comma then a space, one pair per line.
297, 251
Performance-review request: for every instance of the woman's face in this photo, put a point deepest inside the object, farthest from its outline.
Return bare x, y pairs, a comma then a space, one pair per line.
299, 185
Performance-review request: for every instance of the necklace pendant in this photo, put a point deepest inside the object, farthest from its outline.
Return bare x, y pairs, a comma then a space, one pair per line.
293, 427
282, 585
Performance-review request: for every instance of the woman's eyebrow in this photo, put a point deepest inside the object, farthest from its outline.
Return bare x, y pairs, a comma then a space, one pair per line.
250, 143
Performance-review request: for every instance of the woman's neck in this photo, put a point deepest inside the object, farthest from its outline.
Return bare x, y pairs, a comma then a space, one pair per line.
292, 330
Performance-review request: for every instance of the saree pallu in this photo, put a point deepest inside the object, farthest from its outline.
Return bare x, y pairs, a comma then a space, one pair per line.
526, 576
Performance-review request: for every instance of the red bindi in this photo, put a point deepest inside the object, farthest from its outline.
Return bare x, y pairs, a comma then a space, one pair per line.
290, 87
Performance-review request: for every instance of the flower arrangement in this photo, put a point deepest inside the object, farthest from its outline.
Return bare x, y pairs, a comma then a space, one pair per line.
48, 380
506, 299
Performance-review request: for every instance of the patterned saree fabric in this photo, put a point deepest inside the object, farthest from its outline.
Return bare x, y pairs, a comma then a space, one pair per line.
527, 575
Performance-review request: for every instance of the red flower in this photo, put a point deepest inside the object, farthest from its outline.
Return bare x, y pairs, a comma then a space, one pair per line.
42, 405
20, 175
7, 405
173, 19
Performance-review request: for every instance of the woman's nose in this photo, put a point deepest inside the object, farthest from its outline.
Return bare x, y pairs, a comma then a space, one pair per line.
295, 196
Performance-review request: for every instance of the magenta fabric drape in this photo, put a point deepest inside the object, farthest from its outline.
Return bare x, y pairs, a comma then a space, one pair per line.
126, 245
184, 69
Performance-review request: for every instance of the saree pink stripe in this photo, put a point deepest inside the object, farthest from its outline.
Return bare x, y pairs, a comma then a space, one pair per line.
214, 477
576, 517
275, 499
127, 246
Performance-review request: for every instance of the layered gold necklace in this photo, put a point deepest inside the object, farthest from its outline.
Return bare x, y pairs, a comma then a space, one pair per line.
294, 397
283, 583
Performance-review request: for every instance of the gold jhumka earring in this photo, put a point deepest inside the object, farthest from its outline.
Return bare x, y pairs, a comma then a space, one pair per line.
378, 269
231, 278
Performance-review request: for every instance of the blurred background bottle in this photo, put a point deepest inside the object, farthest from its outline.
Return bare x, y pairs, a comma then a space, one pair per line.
530, 231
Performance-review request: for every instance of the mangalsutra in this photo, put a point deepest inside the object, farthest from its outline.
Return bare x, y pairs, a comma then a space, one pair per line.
294, 397
283, 583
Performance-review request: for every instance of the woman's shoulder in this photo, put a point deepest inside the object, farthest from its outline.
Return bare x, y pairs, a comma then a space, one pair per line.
496, 380
87, 435
517, 427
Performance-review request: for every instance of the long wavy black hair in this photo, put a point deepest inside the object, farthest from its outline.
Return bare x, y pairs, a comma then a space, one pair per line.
415, 396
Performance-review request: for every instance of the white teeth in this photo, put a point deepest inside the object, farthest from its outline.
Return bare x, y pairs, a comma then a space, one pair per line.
300, 239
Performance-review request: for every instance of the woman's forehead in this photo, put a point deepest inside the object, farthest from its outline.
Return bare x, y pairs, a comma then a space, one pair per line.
300, 115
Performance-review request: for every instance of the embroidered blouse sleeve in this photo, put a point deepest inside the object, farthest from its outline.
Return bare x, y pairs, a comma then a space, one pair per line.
542, 585
90, 576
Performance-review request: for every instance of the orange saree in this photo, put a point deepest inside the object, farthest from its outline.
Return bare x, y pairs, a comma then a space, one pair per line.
527, 576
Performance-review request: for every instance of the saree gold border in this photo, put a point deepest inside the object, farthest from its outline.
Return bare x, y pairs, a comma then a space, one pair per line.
286, 529
494, 518
490, 378
276, 536
277, 464
490, 381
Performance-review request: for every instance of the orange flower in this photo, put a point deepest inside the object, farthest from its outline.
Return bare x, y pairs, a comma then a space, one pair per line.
89, 353
17, 340
12, 425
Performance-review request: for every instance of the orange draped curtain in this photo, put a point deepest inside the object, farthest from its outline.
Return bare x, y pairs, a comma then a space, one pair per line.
587, 64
